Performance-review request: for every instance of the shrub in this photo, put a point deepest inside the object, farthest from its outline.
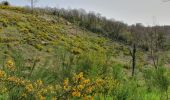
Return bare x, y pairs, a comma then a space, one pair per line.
5, 3
157, 78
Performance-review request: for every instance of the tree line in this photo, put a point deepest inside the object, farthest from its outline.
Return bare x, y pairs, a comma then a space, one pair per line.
152, 39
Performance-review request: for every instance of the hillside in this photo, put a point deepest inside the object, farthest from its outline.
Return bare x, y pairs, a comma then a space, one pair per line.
41, 35
46, 57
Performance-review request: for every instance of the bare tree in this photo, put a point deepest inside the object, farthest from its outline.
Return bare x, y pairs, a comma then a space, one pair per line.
136, 32
132, 50
33, 4
133, 55
156, 41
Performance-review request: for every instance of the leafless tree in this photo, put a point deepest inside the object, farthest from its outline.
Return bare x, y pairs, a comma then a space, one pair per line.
132, 50
33, 4
156, 40
136, 32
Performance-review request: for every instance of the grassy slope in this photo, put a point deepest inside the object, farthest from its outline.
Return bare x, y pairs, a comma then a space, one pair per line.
28, 38
40, 35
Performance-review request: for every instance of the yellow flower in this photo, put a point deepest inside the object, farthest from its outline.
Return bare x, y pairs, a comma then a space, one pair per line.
10, 64
29, 87
16, 80
80, 87
22, 82
12, 79
66, 84
42, 97
88, 98
50, 87
39, 82
24, 95
2, 74
99, 81
44, 90
3, 89
80, 75
86, 81
74, 88
89, 89
76, 94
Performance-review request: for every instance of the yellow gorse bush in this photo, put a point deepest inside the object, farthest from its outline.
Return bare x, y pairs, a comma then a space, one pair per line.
29, 88
78, 86
66, 84
37, 88
2, 74
10, 64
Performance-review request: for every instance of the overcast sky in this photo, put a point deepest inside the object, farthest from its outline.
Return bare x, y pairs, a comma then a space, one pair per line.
128, 11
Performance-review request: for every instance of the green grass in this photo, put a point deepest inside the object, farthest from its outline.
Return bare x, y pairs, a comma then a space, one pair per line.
45, 47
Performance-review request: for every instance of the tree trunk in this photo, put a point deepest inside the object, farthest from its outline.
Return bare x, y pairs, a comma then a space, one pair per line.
133, 59
32, 6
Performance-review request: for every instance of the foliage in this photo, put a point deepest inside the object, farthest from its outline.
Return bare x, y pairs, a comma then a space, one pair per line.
5, 3
45, 57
